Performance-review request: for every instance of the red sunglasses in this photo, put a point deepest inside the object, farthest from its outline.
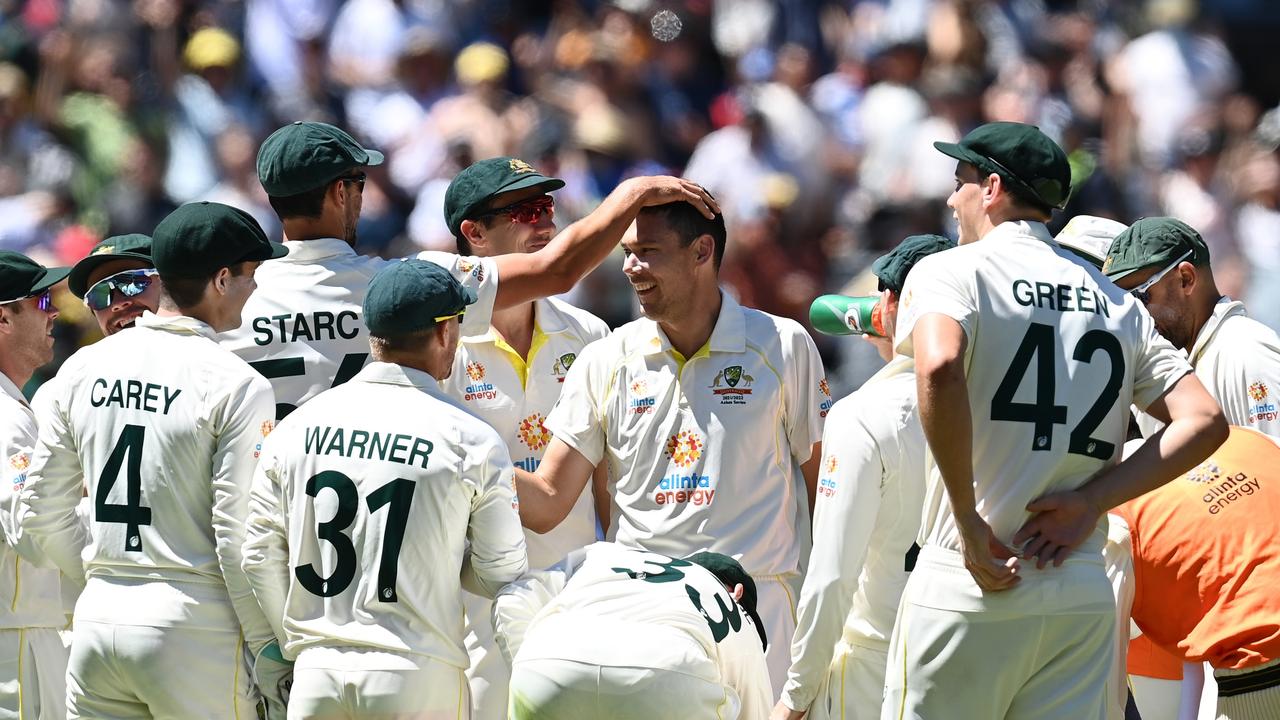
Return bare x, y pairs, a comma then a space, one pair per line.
526, 211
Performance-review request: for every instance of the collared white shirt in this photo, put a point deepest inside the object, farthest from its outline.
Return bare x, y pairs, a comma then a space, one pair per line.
303, 328
514, 396
162, 428
870, 491
1238, 360
374, 505
1055, 355
30, 596
704, 453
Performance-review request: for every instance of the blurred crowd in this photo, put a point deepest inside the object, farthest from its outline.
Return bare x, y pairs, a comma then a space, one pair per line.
811, 121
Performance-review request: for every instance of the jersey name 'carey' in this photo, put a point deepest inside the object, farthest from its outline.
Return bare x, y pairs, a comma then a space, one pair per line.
367, 445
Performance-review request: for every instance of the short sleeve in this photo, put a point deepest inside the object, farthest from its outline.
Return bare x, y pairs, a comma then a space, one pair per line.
936, 284
807, 393
479, 274
577, 419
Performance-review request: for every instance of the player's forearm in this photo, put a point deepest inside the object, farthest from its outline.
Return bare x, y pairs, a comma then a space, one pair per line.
266, 556
49, 529
948, 428
543, 506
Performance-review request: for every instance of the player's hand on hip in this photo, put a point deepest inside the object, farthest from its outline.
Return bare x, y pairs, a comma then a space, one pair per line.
993, 565
663, 189
782, 712
1059, 523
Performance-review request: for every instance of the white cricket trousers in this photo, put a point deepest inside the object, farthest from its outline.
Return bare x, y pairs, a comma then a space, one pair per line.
33, 674
132, 671
948, 665
488, 674
776, 603
854, 686
346, 683
1261, 703
547, 689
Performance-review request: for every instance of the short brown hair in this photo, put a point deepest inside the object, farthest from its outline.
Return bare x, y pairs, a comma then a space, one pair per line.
187, 292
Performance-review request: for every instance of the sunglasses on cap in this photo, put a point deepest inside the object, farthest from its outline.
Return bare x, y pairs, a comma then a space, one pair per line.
44, 300
526, 211
130, 283
460, 314
1143, 291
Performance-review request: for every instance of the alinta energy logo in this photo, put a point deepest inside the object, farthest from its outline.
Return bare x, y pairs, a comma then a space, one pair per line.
685, 448
478, 390
825, 406
826, 483
641, 401
1263, 408
1205, 473
534, 433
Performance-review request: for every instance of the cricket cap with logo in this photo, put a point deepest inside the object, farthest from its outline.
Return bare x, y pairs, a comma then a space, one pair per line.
1032, 164
1154, 242
134, 246
730, 572
412, 295
892, 267
21, 277
303, 156
1089, 237
200, 238
476, 184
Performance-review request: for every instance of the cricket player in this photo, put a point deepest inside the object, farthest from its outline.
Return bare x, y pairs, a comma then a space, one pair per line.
303, 330
871, 487
1164, 263
374, 505
117, 281
1027, 360
33, 660
162, 429
511, 374
629, 634
709, 415
1203, 550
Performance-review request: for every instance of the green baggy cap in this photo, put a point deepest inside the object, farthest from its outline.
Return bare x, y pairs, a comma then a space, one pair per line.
198, 239
1033, 165
473, 187
134, 246
892, 268
303, 156
21, 277
1154, 241
408, 296
730, 572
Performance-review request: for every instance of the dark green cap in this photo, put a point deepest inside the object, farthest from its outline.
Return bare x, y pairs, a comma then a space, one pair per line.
730, 572
303, 156
1154, 241
408, 296
1033, 165
21, 277
134, 246
473, 187
892, 268
200, 238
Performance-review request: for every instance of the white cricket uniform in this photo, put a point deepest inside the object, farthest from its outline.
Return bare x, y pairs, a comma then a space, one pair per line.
867, 515
705, 453
363, 506
162, 428
1055, 355
514, 396
621, 633
1238, 360
303, 328
33, 662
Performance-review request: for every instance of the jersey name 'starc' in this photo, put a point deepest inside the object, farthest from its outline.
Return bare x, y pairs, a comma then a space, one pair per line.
292, 327
368, 445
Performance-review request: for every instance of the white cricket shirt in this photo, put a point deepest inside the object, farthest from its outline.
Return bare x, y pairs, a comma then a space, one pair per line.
1238, 360
870, 491
30, 596
491, 380
1055, 355
704, 453
363, 507
616, 607
303, 327
162, 428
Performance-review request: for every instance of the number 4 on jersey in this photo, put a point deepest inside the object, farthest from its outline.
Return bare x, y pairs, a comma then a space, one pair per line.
131, 513
1040, 343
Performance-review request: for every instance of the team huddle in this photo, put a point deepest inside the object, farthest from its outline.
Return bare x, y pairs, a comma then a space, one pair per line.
300, 482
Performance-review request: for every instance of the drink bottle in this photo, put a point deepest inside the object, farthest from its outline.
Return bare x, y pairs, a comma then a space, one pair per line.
845, 315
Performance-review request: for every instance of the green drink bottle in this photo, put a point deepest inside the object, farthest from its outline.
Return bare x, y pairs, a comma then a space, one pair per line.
845, 315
